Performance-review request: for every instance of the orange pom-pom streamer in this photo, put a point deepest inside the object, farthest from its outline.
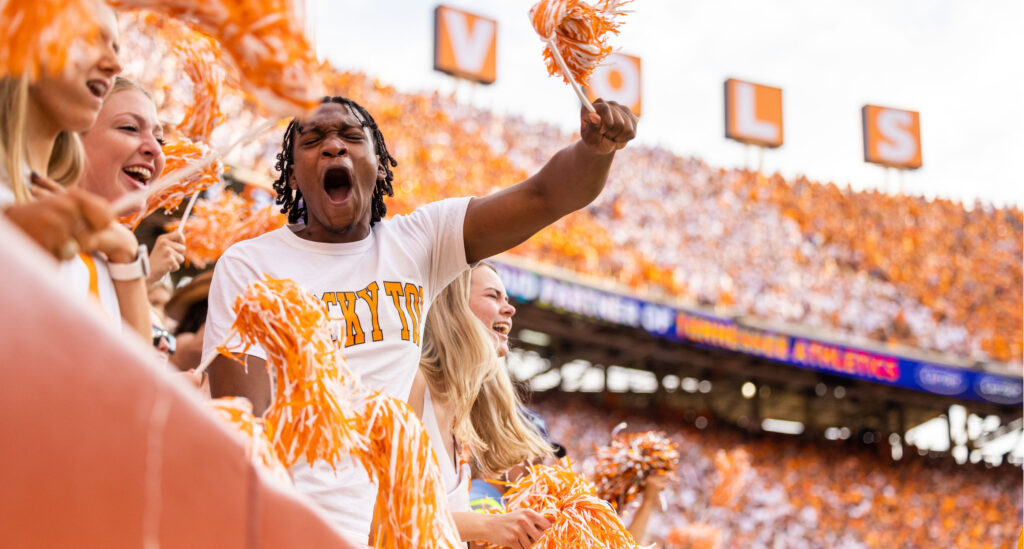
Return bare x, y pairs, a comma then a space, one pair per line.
264, 39
185, 173
305, 419
576, 36
579, 519
320, 411
732, 470
214, 226
260, 222
624, 466
208, 229
40, 36
200, 56
237, 412
412, 505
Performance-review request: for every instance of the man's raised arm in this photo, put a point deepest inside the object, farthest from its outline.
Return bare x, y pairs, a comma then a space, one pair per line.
570, 180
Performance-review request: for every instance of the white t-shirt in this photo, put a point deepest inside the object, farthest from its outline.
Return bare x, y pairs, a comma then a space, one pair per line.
380, 289
87, 275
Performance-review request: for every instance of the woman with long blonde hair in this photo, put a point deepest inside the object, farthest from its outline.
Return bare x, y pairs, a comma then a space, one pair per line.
39, 124
465, 397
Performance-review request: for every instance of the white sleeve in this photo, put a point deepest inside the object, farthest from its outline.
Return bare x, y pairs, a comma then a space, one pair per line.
448, 257
438, 226
230, 277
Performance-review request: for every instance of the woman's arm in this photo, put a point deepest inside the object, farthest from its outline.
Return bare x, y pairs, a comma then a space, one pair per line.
638, 526
121, 248
419, 386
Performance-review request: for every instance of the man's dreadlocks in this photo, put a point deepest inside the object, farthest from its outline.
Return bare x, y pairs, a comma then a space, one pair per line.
291, 199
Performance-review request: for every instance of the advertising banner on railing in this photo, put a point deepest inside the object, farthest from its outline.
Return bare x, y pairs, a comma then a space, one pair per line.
724, 333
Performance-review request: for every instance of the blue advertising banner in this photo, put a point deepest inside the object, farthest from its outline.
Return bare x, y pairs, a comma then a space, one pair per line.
724, 333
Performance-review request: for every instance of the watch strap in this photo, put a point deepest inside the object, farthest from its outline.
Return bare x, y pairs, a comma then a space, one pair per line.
131, 271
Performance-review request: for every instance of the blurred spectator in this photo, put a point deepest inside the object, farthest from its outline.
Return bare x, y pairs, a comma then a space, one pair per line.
159, 292
187, 309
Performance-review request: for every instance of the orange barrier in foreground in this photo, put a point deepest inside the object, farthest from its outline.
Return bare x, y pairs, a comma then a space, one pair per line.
102, 448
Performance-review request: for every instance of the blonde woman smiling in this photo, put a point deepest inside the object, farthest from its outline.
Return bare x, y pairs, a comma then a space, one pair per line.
464, 395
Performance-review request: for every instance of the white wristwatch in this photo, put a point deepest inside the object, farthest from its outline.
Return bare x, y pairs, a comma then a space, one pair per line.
131, 271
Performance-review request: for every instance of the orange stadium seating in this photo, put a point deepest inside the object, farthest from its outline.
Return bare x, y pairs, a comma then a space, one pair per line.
810, 493
933, 275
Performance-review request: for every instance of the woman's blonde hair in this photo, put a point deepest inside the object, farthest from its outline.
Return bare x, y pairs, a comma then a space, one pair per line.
461, 365
121, 83
67, 159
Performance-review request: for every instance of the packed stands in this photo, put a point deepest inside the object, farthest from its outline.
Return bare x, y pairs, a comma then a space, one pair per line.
893, 269
932, 275
808, 492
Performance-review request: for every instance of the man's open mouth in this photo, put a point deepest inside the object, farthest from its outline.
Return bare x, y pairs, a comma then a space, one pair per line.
337, 184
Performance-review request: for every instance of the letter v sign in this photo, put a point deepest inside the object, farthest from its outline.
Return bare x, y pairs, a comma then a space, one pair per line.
465, 44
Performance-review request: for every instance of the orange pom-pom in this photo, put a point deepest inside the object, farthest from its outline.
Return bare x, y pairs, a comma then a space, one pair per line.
579, 31
320, 411
40, 36
214, 226
412, 505
261, 221
624, 466
579, 519
264, 39
182, 156
200, 56
305, 420
237, 413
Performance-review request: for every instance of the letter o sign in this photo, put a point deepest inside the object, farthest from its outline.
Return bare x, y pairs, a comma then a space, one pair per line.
617, 79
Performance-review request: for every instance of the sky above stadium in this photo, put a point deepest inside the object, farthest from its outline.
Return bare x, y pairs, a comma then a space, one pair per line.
956, 62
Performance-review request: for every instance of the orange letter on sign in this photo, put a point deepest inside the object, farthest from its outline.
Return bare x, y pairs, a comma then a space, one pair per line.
753, 113
465, 44
617, 79
892, 137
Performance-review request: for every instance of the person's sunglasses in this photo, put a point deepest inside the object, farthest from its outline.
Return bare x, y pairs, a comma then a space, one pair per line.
160, 333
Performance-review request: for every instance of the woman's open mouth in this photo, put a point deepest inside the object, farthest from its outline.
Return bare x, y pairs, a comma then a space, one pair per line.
502, 329
337, 185
98, 88
140, 174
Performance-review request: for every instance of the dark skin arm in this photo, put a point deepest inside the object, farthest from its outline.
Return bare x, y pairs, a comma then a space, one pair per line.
569, 181
229, 378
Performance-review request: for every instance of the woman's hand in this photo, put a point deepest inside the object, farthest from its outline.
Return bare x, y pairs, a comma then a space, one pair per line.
517, 529
62, 223
655, 484
118, 243
167, 256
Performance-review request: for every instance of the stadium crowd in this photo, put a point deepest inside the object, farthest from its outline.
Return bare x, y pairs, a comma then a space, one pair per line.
863, 265
866, 266
868, 500
897, 270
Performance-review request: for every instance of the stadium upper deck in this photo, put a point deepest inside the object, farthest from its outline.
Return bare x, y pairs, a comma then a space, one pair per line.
901, 270
897, 270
